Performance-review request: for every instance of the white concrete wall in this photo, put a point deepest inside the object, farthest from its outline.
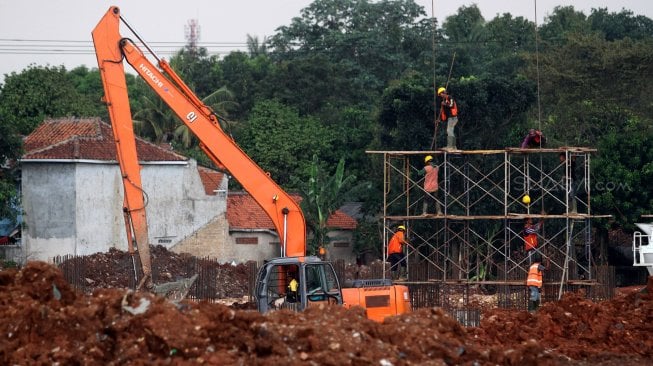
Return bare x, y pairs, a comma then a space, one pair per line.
48, 199
178, 205
76, 208
268, 246
345, 253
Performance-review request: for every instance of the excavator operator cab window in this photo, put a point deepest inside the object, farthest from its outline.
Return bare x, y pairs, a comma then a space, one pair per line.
321, 283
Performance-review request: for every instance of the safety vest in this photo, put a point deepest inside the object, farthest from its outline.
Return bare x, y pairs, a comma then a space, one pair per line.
394, 246
431, 179
448, 104
534, 276
530, 242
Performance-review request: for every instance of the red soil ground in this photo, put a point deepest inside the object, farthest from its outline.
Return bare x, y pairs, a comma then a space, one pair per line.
46, 322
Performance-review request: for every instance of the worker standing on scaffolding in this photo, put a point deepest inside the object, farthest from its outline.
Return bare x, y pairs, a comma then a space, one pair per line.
449, 114
430, 185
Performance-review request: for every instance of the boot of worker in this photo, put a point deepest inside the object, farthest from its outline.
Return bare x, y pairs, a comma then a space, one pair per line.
425, 208
536, 304
574, 206
402, 274
451, 143
531, 306
438, 208
394, 275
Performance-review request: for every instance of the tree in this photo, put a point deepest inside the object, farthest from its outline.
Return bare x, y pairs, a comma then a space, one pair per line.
622, 173
590, 83
615, 26
466, 35
563, 22
509, 41
10, 150
406, 115
322, 195
351, 47
282, 142
37, 93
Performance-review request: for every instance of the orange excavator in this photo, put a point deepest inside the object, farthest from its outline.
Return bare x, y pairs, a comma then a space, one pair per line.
315, 281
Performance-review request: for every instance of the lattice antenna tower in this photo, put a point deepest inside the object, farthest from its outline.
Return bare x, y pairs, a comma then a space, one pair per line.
192, 33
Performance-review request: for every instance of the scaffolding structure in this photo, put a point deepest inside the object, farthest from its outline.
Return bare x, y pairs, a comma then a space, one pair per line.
476, 235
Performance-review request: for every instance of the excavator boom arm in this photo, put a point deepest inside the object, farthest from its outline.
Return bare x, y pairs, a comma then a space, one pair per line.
111, 49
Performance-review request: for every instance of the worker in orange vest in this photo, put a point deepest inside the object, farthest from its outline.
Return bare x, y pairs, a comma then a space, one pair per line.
534, 282
530, 233
449, 114
430, 171
396, 254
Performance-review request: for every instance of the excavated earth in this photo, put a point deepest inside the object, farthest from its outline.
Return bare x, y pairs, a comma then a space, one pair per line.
47, 322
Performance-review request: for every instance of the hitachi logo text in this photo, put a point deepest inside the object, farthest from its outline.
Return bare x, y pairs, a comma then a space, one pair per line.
151, 75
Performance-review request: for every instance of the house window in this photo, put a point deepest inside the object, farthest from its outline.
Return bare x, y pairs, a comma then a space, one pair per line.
247, 240
341, 244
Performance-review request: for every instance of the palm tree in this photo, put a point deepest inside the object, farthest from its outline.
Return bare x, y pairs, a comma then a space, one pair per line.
221, 102
254, 48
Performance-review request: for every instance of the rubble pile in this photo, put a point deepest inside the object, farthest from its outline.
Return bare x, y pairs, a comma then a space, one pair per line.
46, 321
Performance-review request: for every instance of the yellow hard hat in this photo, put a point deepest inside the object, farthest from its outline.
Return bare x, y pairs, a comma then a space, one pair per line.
526, 199
428, 158
440, 90
401, 227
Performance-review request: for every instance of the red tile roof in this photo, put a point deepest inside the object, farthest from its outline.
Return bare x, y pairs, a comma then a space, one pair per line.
244, 213
85, 138
211, 179
92, 139
340, 220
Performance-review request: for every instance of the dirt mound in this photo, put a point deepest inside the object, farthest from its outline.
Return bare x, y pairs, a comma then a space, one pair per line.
47, 322
114, 269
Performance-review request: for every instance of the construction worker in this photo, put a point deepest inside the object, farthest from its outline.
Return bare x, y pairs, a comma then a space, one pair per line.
430, 185
534, 282
396, 254
291, 296
449, 114
530, 236
535, 139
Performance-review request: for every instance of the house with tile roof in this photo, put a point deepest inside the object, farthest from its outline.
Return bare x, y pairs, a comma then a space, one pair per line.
250, 227
73, 198
72, 192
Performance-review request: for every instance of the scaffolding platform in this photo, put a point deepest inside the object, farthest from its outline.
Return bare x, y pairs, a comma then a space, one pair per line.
478, 236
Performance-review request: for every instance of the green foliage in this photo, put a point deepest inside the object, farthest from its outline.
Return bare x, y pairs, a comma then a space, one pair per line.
282, 142
406, 116
351, 48
615, 26
323, 194
368, 239
622, 174
37, 93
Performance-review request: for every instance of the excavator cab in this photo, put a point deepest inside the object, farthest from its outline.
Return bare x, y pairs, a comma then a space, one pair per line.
316, 283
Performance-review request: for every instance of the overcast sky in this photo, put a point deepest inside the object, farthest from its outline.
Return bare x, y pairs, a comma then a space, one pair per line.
58, 32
